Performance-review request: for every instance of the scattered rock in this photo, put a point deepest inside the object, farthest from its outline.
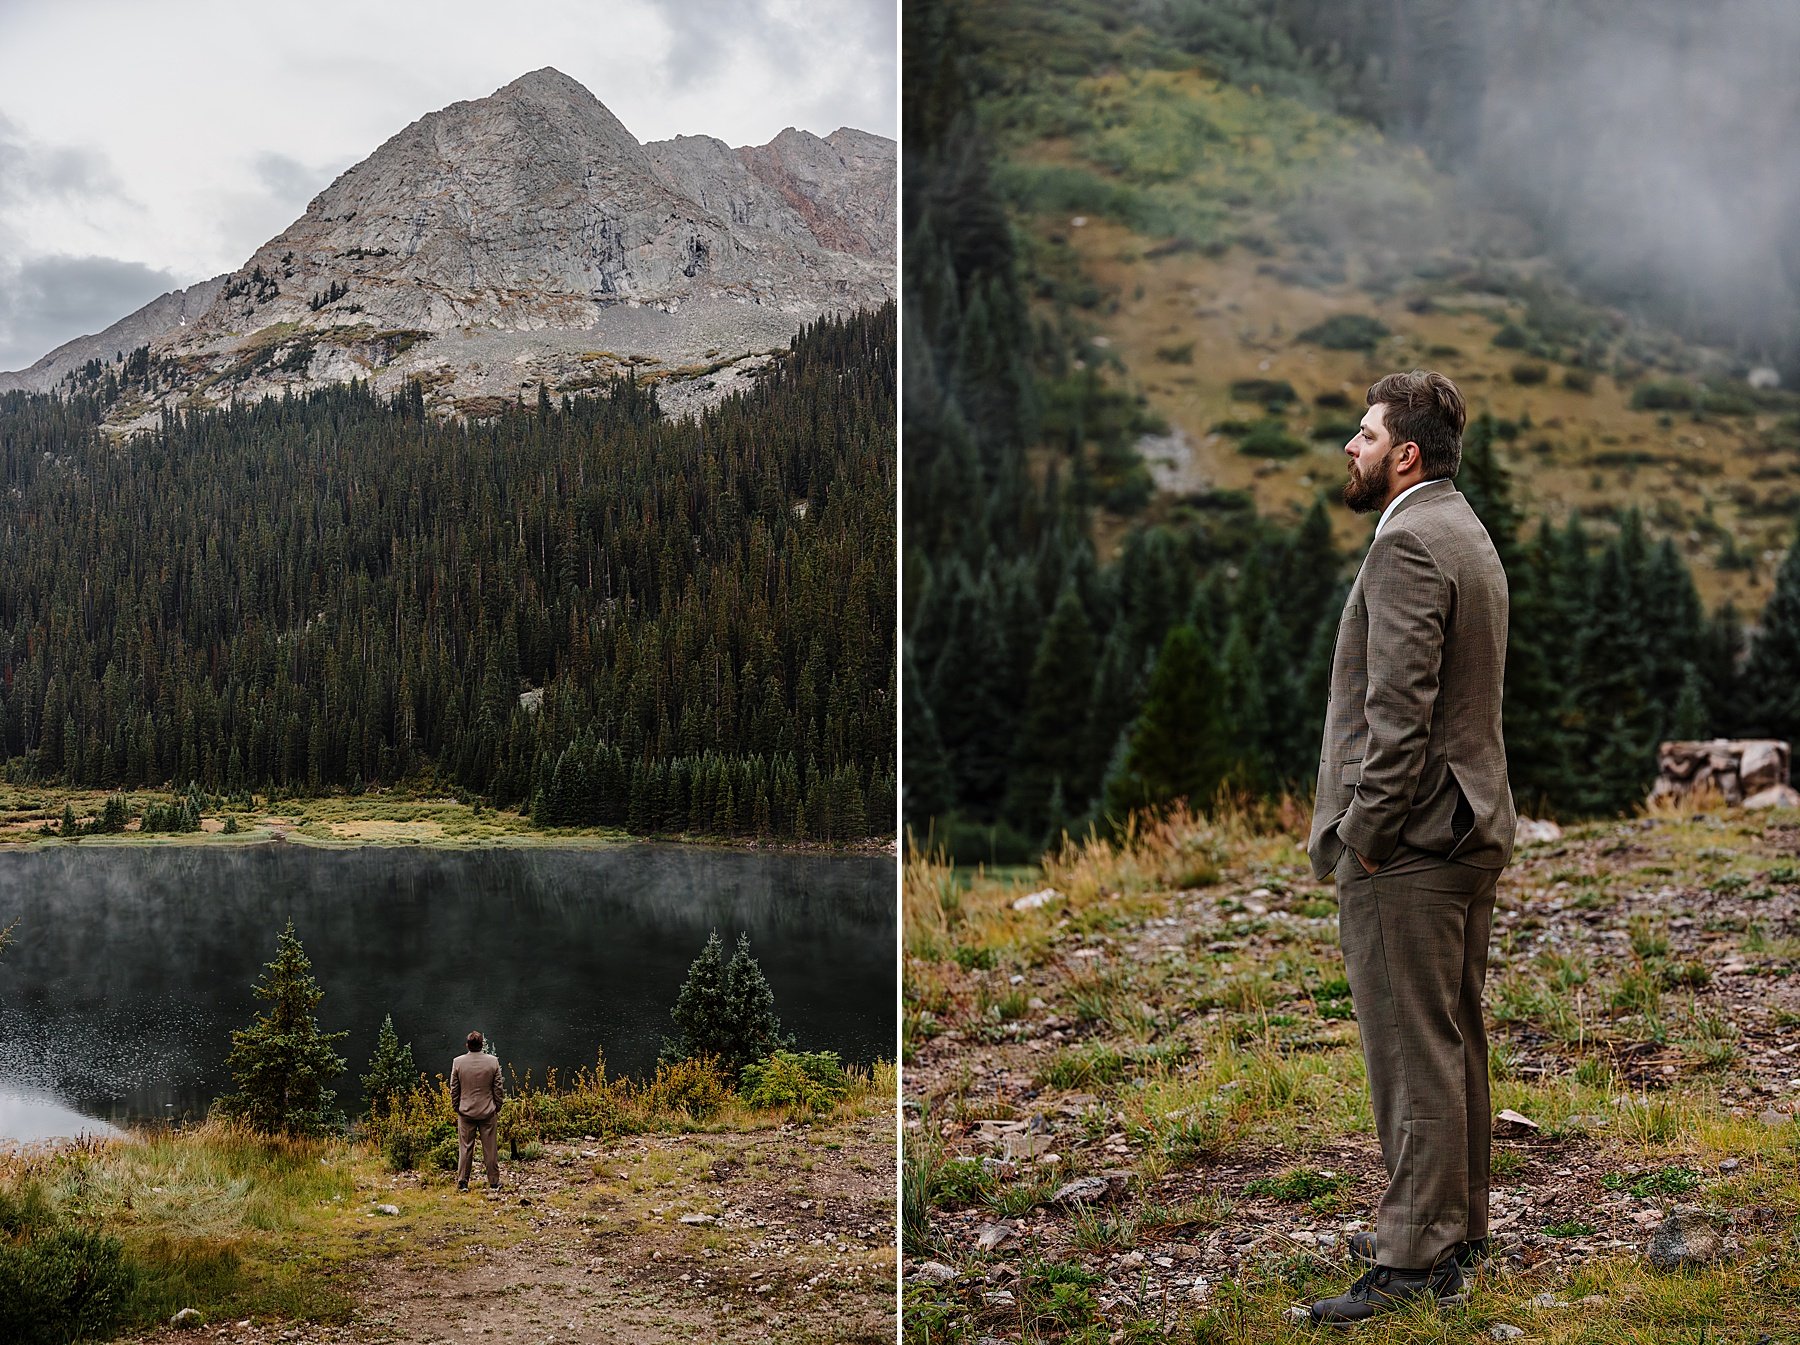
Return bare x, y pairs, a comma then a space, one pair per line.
1686, 1238
1101, 1186
1513, 1121
1531, 831
999, 1169
1032, 901
1026, 1146
991, 1236
1505, 1331
389, 1210
999, 1298
1728, 1165
1549, 1301
187, 1319
1776, 796
933, 1272
699, 1219
1081, 1190
1771, 1117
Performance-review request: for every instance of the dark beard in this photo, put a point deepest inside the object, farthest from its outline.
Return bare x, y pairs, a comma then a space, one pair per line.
1366, 494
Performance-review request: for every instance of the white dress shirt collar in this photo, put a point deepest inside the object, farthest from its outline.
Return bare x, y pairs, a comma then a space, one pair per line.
1394, 504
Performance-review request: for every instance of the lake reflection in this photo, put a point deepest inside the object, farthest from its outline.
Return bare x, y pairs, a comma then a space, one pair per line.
132, 965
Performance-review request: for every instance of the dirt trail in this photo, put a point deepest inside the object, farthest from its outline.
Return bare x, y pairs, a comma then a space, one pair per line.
588, 1245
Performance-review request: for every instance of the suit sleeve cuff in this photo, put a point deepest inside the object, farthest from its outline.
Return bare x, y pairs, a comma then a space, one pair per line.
1357, 832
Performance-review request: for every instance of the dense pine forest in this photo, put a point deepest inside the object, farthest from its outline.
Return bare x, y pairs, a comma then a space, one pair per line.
1053, 683
580, 608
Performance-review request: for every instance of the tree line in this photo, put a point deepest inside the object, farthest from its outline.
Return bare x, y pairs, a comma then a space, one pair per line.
1047, 688
577, 606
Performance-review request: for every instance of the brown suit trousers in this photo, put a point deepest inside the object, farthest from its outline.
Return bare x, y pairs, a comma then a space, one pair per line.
1413, 779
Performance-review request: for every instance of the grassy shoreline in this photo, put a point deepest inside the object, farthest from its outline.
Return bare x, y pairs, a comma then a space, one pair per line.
255, 1230
340, 821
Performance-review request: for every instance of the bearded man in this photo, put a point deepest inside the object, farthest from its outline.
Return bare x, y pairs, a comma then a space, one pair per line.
1414, 817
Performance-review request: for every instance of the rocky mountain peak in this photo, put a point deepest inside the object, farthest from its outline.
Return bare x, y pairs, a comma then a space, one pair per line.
529, 237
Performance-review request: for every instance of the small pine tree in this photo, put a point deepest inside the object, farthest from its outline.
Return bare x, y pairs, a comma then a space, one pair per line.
113, 816
1179, 748
283, 1060
1775, 657
69, 826
392, 1072
725, 1009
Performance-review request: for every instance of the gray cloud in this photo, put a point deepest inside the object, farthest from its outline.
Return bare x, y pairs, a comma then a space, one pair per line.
29, 169
1659, 154
287, 178
842, 55
46, 301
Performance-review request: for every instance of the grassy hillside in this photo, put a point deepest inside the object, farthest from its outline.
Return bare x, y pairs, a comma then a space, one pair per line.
1196, 228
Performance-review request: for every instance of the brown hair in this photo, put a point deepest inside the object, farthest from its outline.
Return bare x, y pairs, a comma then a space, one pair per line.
1425, 408
474, 1041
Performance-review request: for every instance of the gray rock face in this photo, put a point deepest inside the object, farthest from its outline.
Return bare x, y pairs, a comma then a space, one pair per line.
528, 238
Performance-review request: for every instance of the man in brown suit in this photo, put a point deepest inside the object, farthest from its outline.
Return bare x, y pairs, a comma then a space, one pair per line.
476, 1092
1414, 816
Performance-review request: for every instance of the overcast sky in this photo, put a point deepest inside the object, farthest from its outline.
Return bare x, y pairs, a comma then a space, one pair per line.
146, 146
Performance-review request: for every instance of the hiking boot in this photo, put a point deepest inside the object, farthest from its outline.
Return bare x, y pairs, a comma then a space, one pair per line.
1382, 1288
1468, 1255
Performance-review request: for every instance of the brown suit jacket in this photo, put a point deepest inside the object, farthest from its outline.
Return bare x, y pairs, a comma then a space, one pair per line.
1413, 752
475, 1088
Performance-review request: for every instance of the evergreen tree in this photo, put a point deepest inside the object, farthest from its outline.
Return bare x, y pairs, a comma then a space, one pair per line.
392, 1073
1178, 749
725, 1010
283, 1061
1053, 731
1773, 670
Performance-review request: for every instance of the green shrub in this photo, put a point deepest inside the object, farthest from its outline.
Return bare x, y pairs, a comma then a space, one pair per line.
1264, 390
798, 1080
1346, 331
1270, 439
401, 1151
66, 1285
956, 1183
443, 1155
698, 1087
1578, 380
1527, 374
1298, 1184
1670, 395
1727, 402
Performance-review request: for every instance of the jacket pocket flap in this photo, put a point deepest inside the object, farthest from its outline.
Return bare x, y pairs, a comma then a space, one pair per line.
1350, 772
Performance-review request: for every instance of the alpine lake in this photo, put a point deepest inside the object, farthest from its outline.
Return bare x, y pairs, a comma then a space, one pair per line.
132, 964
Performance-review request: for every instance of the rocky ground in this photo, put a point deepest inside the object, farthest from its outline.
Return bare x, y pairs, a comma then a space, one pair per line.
784, 1233
1136, 1106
